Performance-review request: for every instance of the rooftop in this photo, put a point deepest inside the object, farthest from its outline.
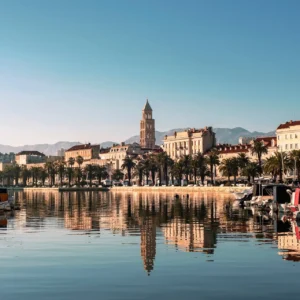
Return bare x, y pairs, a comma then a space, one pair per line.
31, 152
147, 106
288, 124
82, 147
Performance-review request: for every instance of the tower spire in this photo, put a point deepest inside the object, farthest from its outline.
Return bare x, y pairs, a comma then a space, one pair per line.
147, 106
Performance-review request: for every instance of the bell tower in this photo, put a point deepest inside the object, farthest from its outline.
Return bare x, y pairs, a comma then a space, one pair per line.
147, 128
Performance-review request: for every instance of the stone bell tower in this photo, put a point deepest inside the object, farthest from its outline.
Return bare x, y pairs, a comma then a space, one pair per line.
147, 128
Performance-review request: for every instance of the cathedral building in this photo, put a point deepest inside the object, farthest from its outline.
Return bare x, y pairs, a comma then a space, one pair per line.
147, 128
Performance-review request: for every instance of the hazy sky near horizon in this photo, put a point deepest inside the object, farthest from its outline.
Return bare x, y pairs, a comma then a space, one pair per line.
82, 70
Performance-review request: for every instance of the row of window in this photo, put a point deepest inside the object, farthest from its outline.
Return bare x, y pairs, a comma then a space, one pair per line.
290, 147
288, 136
183, 144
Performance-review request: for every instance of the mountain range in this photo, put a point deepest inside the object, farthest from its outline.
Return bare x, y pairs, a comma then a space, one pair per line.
223, 135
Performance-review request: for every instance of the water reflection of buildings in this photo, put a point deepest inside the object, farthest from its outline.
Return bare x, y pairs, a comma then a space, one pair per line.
189, 224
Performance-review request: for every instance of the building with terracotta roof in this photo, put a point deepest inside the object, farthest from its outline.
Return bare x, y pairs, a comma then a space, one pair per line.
87, 151
30, 157
189, 142
288, 136
116, 154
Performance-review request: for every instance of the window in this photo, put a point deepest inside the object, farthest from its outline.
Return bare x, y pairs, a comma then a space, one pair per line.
296, 136
278, 137
296, 146
286, 136
291, 146
286, 146
291, 136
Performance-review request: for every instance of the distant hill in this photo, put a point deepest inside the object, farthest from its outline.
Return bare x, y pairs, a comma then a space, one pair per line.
48, 149
223, 135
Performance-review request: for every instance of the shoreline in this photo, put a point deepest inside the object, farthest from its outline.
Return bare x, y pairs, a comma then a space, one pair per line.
150, 189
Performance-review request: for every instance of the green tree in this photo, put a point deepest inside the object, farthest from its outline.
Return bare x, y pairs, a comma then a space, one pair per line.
295, 160
60, 169
117, 175
71, 162
79, 160
78, 174
278, 164
100, 173
213, 160
90, 172
69, 173
139, 171
259, 149
225, 168
42, 174
251, 170
243, 161
129, 165
25, 174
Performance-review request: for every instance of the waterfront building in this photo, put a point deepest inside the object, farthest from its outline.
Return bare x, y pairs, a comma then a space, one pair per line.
86, 151
30, 157
189, 142
147, 128
230, 151
288, 136
117, 153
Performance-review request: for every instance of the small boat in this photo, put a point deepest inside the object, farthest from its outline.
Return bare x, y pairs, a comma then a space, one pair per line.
242, 195
6, 203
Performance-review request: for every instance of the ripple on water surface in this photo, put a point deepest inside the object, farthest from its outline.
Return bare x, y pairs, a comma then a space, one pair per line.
144, 246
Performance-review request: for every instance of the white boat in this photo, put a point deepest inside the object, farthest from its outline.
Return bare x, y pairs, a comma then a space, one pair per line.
242, 195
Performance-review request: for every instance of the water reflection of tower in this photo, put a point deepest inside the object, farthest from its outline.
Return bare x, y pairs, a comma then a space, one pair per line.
148, 239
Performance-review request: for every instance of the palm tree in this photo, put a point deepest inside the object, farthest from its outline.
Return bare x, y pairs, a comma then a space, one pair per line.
60, 168
89, 169
35, 174
213, 160
251, 170
295, 157
42, 174
278, 164
117, 175
139, 168
16, 171
196, 161
259, 149
25, 174
186, 162
51, 171
129, 165
177, 171
78, 174
243, 161
234, 165
163, 162
69, 173
229, 167
79, 160
100, 172
71, 162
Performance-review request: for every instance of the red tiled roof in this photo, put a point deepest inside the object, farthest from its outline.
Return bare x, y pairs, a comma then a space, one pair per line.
267, 140
82, 147
31, 153
288, 124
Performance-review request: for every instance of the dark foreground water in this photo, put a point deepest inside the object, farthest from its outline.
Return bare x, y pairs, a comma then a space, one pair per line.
144, 246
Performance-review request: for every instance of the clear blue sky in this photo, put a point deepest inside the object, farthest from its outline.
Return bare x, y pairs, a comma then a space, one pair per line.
82, 70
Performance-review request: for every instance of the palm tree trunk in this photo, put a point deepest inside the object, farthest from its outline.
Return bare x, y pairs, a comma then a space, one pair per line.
212, 174
195, 176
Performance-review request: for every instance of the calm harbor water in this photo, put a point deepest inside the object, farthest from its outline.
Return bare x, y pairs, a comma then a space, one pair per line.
144, 246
